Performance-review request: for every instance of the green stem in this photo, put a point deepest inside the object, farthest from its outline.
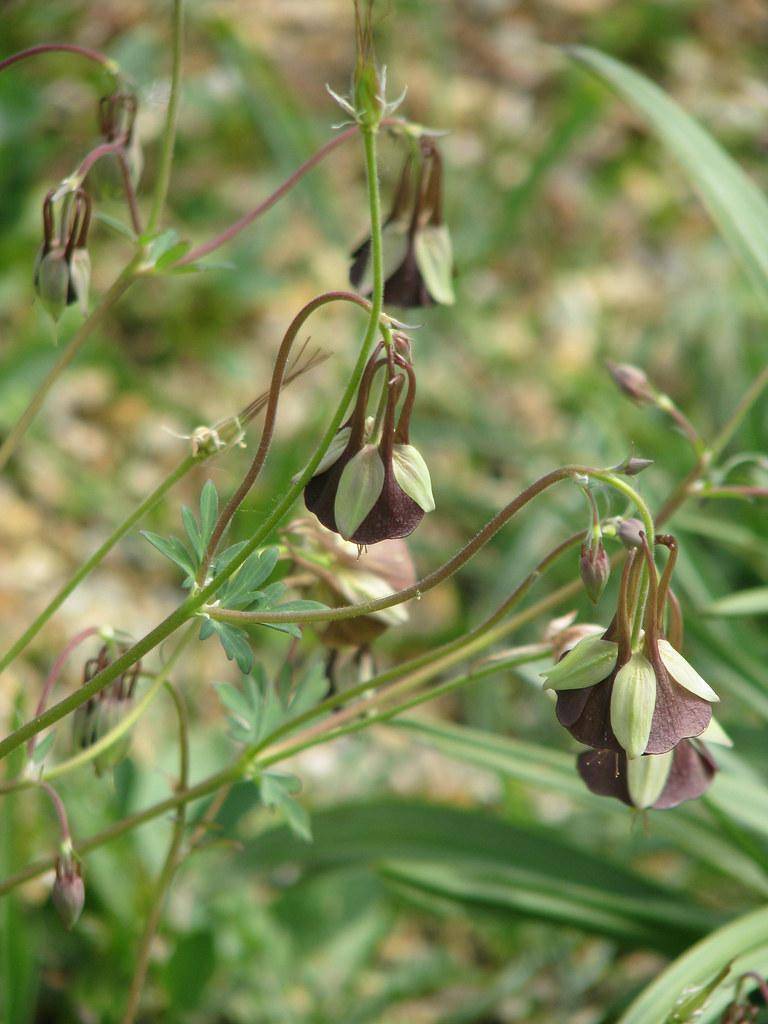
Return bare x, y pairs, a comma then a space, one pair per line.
123, 726
732, 424
163, 883
194, 602
171, 117
118, 289
227, 432
448, 568
334, 728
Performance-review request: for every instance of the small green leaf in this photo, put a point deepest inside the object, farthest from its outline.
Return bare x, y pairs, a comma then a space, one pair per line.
173, 549
193, 532
236, 645
753, 601
209, 510
277, 791
234, 700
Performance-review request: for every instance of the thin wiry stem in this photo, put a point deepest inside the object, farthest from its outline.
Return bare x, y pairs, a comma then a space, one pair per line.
163, 883
171, 117
82, 51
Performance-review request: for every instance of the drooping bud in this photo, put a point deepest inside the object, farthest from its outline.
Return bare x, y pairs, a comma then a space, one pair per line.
105, 710
418, 253
68, 888
633, 466
632, 382
594, 568
63, 268
117, 123
344, 574
375, 490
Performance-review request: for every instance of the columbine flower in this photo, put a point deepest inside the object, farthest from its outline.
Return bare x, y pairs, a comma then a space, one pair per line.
371, 490
62, 272
346, 575
418, 256
105, 710
642, 701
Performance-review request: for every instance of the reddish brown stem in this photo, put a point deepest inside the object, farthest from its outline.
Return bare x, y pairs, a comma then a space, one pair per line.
270, 416
53, 676
82, 51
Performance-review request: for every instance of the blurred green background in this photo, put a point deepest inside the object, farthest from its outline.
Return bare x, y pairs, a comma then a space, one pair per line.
577, 240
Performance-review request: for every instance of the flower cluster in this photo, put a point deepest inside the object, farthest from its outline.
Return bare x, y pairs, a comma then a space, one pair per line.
632, 697
373, 485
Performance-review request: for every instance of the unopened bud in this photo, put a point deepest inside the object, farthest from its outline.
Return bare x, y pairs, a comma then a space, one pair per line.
595, 569
632, 382
68, 889
633, 466
630, 532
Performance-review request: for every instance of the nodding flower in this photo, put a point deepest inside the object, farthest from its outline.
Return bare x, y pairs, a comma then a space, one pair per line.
105, 709
342, 574
62, 273
631, 691
68, 888
373, 485
657, 781
418, 256
117, 122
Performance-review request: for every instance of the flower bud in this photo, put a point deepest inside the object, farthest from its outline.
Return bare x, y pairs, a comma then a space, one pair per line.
68, 889
595, 569
52, 282
632, 382
104, 711
633, 466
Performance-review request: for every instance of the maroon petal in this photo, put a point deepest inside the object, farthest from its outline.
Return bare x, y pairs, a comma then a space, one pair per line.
678, 715
405, 287
320, 492
586, 714
394, 515
360, 258
605, 773
693, 769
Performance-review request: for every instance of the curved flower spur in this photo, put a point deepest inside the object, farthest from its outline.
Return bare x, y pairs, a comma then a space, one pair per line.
628, 697
373, 485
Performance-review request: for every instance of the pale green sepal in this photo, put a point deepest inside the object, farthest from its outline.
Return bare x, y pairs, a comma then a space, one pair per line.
685, 674
715, 733
434, 258
357, 587
359, 488
335, 450
633, 699
394, 241
412, 475
591, 660
52, 282
80, 275
646, 778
